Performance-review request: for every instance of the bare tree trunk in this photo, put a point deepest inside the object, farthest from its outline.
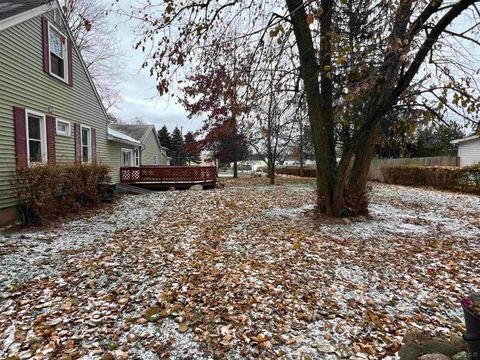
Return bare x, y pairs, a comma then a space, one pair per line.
301, 148
271, 170
322, 136
235, 169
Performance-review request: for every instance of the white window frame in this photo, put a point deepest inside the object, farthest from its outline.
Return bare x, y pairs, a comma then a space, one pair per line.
89, 143
65, 54
43, 136
155, 159
136, 157
130, 151
68, 132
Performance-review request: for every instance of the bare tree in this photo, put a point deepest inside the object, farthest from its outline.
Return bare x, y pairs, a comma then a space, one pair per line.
94, 36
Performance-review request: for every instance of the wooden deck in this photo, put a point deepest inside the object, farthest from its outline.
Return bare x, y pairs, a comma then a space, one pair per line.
158, 177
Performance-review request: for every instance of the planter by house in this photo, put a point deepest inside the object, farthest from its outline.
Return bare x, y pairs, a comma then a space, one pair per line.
471, 310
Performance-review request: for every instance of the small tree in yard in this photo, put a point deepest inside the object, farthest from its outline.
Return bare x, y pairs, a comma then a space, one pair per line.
226, 144
357, 61
192, 149
165, 138
177, 151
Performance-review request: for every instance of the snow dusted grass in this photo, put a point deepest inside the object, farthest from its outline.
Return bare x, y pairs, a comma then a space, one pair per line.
39, 254
240, 272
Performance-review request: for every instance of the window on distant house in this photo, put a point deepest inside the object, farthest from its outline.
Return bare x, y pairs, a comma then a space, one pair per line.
36, 138
63, 128
126, 158
86, 144
155, 159
58, 53
136, 155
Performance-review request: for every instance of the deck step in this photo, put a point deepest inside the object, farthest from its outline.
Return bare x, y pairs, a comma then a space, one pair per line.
131, 189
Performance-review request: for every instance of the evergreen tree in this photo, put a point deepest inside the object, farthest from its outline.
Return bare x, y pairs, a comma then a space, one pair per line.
192, 149
165, 138
177, 148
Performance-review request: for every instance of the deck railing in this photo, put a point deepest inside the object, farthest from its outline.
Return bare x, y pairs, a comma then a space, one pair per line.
168, 174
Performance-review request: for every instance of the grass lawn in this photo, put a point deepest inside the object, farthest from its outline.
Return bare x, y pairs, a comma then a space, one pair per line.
240, 272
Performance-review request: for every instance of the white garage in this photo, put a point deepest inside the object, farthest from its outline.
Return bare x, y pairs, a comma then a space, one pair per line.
468, 150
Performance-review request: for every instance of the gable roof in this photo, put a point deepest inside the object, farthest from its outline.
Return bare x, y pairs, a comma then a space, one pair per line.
468, 138
138, 132
121, 137
15, 12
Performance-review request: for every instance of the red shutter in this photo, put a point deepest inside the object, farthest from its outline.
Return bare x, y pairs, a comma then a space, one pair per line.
50, 125
46, 64
94, 146
70, 68
78, 147
20, 127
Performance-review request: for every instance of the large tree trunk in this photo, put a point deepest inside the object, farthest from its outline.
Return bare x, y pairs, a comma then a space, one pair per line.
318, 105
342, 189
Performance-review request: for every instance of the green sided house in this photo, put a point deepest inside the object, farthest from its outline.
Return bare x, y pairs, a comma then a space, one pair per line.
50, 111
151, 152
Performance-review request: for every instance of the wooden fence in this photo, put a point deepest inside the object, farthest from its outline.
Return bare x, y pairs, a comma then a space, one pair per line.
376, 166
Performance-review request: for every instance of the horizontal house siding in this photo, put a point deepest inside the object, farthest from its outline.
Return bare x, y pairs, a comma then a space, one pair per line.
469, 152
114, 158
25, 84
151, 150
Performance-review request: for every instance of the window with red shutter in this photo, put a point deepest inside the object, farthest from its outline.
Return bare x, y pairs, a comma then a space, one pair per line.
57, 53
78, 145
50, 127
20, 137
46, 52
94, 146
70, 62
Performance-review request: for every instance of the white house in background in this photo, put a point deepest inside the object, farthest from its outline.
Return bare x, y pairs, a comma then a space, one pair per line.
468, 150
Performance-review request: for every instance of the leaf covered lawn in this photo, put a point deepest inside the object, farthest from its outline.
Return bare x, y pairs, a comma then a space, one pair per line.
240, 272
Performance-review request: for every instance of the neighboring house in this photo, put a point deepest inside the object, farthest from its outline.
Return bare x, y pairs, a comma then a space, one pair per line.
50, 111
206, 159
152, 152
254, 162
468, 150
123, 151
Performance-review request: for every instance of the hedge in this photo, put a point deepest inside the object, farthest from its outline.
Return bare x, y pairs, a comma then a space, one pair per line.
465, 179
296, 171
43, 192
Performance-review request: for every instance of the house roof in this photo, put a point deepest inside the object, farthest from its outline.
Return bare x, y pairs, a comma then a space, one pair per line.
138, 132
117, 136
468, 138
12, 8
15, 12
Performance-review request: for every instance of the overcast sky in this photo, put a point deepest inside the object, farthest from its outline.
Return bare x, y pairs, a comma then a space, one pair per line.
140, 98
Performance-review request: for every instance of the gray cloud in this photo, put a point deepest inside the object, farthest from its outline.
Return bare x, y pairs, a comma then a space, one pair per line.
140, 98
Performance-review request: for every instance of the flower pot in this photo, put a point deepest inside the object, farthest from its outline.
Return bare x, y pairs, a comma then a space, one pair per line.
472, 336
